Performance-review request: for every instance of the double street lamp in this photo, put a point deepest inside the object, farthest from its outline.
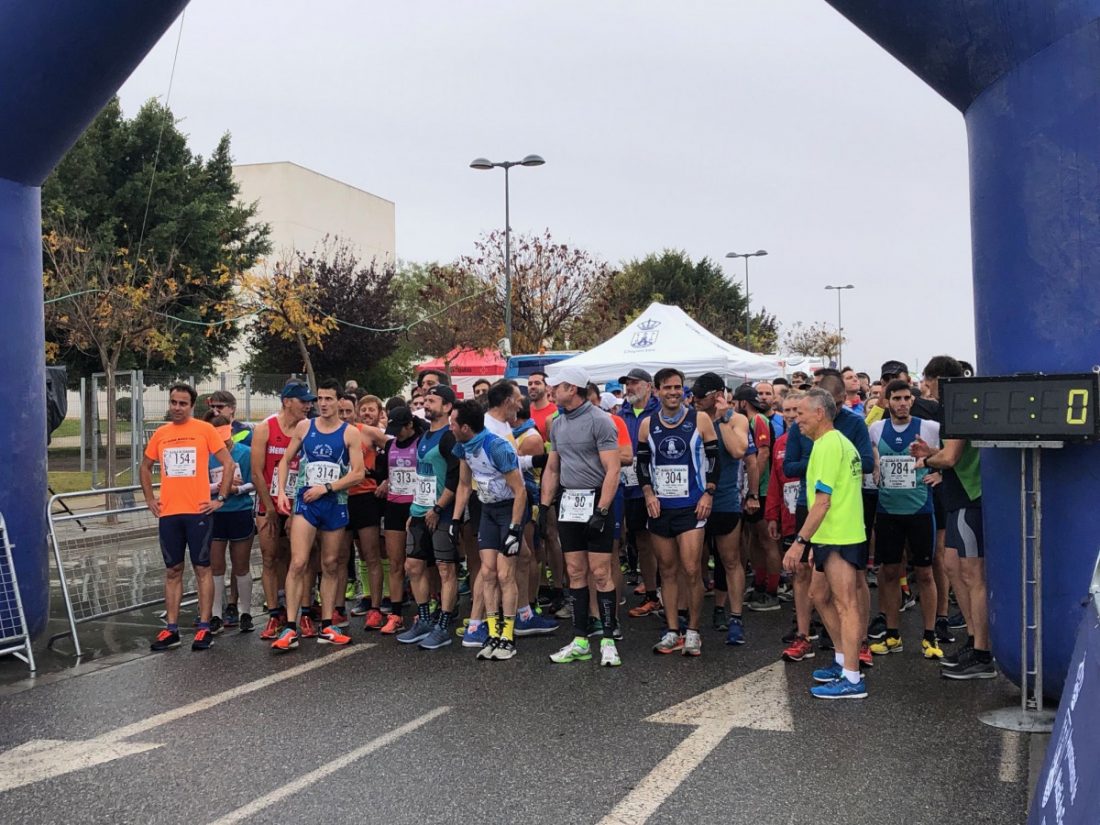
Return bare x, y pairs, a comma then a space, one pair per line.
748, 313
483, 164
839, 326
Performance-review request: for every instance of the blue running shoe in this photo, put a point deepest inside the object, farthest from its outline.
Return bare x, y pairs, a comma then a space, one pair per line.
418, 632
735, 634
439, 637
840, 689
828, 674
476, 638
536, 625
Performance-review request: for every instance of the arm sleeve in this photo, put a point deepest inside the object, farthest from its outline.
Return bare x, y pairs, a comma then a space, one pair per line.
446, 449
794, 462
382, 463
245, 465
645, 456
714, 468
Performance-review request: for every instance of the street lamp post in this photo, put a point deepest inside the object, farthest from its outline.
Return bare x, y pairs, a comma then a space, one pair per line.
484, 163
748, 313
839, 325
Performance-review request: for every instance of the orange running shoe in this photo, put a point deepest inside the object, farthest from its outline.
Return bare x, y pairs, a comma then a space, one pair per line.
331, 635
288, 640
646, 608
272, 628
865, 657
306, 627
798, 650
375, 619
394, 624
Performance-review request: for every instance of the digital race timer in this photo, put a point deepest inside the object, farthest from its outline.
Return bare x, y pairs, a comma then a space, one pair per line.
1022, 407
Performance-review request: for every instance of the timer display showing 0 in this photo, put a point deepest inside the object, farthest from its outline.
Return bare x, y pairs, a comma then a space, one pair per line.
1061, 407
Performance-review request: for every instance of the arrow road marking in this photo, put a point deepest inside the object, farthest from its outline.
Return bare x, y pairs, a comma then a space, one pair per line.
757, 701
42, 759
329, 768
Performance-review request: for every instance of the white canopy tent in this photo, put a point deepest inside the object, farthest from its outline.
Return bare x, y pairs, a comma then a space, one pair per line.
666, 336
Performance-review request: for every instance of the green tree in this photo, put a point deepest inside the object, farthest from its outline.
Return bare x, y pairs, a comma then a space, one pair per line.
101, 190
816, 340
324, 312
700, 288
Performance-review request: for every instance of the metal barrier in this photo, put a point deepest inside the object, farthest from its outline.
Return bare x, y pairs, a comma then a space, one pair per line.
106, 548
14, 638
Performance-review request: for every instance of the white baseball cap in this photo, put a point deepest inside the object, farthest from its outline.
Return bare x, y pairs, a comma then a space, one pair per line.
569, 374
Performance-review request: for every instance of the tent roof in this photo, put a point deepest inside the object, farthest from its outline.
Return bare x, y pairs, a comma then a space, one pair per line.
467, 362
666, 336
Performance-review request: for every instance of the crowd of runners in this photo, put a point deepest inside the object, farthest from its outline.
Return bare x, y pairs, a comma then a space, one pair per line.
566, 508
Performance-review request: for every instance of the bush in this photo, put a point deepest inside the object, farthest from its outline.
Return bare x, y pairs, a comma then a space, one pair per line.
122, 408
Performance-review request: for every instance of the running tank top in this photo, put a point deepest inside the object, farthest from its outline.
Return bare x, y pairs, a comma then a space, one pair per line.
277, 442
678, 465
402, 472
324, 459
370, 455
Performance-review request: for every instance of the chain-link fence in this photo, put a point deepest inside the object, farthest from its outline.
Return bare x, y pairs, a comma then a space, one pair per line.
140, 405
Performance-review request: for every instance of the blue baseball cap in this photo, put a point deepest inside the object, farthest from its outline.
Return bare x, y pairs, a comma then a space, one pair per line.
296, 389
612, 386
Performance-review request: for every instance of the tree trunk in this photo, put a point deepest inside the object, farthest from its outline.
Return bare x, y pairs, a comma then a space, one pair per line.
307, 363
112, 436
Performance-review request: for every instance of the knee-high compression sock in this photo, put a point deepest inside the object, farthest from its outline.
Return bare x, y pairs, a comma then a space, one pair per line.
608, 601
579, 595
244, 592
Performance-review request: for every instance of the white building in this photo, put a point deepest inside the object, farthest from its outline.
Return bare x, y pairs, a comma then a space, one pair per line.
303, 206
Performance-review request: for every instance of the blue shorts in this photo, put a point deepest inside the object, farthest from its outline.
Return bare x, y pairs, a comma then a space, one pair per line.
326, 513
185, 532
854, 554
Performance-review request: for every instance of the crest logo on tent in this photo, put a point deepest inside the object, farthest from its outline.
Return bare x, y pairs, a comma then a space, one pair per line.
646, 334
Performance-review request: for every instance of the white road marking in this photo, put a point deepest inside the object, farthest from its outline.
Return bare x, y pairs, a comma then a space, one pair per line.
1008, 769
42, 759
757, 701
304, 781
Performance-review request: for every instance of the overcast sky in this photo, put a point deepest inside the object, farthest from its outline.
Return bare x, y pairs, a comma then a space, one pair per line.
704, 126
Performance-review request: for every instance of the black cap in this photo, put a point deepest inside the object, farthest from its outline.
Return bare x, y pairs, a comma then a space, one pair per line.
893, 368
400, 417
707, 382
444, 392
637, 374
748, 393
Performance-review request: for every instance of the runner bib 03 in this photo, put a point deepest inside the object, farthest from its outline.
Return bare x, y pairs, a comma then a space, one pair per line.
425, 490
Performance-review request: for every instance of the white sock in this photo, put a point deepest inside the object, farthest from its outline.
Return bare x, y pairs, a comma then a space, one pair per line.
244, 592
839, 657
524, 612
852, 676
219, 595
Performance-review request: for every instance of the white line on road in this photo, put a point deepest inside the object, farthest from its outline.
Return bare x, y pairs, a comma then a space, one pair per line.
304, 781
1009, 768
41, 759
232, 693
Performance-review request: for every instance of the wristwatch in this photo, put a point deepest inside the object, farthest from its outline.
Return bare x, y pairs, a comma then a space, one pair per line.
602, 511
220, 498
328, 486
709, 491
437, 509
752, 496
801, 540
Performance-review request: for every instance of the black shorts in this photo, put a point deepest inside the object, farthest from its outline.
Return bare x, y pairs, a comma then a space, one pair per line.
575, 537
870, 507
722, 524
496, 518
365, 510
964, 532
431, 547
938, 508
854, 554
894, 533
236, 525
753, 518
672, 523
635, 517
185, 532
396, 515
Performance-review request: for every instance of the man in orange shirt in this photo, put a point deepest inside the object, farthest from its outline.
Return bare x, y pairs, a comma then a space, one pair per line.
183, 448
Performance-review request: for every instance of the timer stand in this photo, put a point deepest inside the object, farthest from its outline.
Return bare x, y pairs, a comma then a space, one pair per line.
1030, 716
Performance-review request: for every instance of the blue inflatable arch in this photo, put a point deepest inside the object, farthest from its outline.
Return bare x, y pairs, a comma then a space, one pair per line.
1024, 73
